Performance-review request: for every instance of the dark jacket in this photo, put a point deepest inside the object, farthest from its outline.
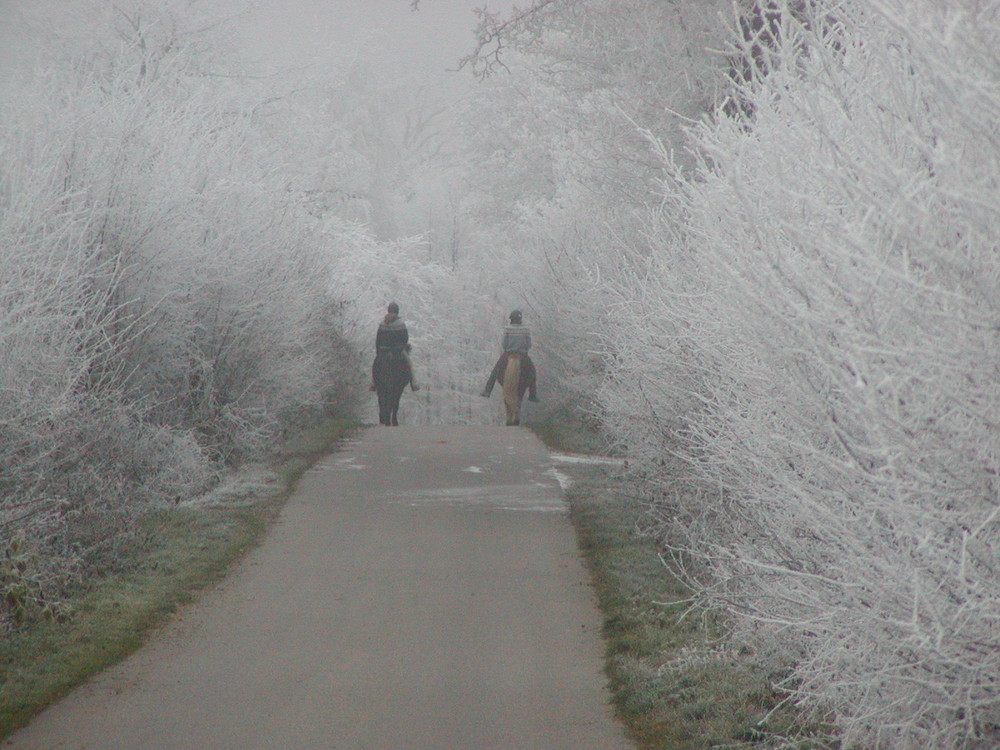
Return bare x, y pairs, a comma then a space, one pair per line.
392, 335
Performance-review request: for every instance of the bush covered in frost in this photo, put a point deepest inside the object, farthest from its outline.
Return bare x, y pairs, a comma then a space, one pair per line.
824, 359
164, 308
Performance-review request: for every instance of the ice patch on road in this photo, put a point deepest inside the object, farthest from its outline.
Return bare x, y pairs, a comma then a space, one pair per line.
340, 463
581, 458
517, 497
564, 481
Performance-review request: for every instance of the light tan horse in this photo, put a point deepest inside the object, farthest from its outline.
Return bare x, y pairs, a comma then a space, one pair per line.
514, 387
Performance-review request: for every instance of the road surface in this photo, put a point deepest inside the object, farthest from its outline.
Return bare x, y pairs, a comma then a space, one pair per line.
421, 591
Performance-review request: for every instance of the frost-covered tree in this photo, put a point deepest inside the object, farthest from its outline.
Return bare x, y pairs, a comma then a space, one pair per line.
358, 142
164, 306
822, 360
798, 349
565, 171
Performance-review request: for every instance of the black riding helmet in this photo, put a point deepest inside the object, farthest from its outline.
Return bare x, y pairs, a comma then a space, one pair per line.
393, 308
515, 316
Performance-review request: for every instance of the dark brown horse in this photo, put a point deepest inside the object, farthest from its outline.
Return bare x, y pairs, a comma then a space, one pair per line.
515, 383
391, 371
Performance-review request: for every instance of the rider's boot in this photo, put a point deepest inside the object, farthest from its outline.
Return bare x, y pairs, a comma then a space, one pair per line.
488, 389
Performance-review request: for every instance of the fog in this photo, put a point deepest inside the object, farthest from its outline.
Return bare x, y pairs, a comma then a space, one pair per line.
407, 58
768, 274
317, 32
285, 34
383, 59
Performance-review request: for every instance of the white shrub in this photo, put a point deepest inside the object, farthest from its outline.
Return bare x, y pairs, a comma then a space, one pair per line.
164, 304
825, 362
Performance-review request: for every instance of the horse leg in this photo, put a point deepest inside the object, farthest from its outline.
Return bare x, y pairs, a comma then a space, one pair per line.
514, 417
397, 394
512, 407
388, 409
523, 385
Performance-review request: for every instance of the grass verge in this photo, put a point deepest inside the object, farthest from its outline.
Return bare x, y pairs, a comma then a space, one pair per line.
677, 681
184, 549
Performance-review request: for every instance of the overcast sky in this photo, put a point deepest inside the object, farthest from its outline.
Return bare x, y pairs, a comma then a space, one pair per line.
318, 32
432, 38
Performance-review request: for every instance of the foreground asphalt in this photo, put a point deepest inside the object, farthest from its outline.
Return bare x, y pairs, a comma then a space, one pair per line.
421, 591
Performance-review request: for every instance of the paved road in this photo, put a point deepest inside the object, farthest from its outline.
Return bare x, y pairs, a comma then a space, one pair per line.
422, 591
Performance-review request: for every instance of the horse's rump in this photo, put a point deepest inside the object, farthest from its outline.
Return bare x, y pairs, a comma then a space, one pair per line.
390, 368
511, 380
514, 387
391, 373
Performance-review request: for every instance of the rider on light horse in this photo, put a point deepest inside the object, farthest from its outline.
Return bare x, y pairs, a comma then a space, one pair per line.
516, 339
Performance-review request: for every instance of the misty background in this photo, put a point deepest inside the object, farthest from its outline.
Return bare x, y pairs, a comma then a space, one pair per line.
755, 242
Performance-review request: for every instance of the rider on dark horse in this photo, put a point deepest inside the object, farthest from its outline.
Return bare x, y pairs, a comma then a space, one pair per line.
516, 339
392, 339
